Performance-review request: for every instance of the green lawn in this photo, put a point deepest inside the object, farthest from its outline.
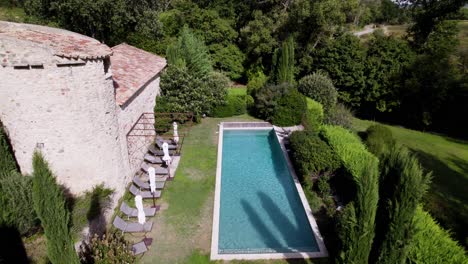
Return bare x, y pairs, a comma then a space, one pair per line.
447, 158
463, 34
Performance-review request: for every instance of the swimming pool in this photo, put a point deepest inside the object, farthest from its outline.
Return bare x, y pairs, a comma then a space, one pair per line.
259, 212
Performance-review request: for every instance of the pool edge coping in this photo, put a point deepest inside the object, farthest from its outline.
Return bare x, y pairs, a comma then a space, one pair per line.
214, 255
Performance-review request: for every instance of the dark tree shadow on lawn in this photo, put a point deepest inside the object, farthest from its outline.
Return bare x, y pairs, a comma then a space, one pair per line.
11, 246
447, 199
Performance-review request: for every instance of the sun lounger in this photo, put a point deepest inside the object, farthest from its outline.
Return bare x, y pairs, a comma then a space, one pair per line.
144, 194
139, 248
145, 185
157, 152
131, 227
153, 159
153, 150
133, 212
158, 170
160, 141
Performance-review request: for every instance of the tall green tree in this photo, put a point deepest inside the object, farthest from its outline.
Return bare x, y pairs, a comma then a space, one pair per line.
344, 60
51, 209
427, 14
285, 67
190, 52
258, 38
7, 159
387, 58
402, 186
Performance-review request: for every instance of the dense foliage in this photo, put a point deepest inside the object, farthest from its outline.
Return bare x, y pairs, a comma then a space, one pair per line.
319, 87
7, 159
189, 52
50, 206
289, 109
281, 104
109, 249
181, 91
311, 155
189, 84
402, 186
433, 244
16, 201
358, 219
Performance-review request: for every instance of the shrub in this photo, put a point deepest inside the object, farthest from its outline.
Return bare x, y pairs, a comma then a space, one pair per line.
313, 117
108, 249
50, 206
323, 186
313, 199
7, 159
256, 82
379, 139
340, 116
310, 155
329, 206
181, 91
433, 244
15, 202
266, 99
402, 187
235, 105
320, 88
290, 109
162, 124
357, 229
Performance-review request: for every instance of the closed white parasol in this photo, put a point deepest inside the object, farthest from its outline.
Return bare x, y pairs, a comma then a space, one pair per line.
152, 179
176, 133
141, 212
166, 156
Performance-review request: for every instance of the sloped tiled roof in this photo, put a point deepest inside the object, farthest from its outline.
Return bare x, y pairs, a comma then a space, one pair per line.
132, 68
26, 44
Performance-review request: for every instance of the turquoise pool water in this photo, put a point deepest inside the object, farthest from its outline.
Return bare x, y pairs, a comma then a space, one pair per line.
260, 209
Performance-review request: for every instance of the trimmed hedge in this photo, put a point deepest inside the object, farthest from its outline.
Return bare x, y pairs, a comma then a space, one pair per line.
235, 105
433, 244
357, 223
311, 155
379, 139
313, 117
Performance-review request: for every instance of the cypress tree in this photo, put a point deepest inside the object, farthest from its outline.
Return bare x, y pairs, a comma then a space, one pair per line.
402, 187
7, 159
286, 62
51, 209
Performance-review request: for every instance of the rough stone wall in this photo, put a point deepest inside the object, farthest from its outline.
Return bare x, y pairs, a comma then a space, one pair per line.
134, 145
69, 112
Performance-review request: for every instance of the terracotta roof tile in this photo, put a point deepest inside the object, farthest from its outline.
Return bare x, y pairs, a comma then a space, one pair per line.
131, 69
24, 43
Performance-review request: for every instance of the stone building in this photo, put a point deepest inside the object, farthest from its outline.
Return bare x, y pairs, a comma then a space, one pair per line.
77, 100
